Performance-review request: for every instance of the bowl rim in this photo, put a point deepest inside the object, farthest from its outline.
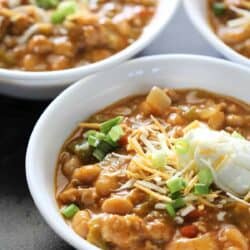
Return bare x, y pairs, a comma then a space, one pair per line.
128, 52
29, 160
212, 38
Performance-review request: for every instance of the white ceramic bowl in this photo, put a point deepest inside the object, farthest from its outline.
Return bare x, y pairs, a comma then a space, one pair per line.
44, 85
95, 92
197, 11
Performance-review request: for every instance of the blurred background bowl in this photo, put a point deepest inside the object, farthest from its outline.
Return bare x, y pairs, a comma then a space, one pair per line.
46, 85
198, 13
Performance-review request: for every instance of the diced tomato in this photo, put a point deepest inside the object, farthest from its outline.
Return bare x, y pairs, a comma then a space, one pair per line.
189, 231
194, 215
123, 140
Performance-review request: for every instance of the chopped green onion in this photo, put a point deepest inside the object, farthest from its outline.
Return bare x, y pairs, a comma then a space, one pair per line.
107, 125
57, 17
110, 141
99, 154
69, 211
93, 140
205, 176
47, 4
237, 135
176, 184
116, 133
94, 137
102, 143
179, 203
90, 132
200, 189
170, 209
82, 147
101, 150
105, 147
175, 195
100, 136
67, 7
219, 8
181, 146
159, 158
64, 9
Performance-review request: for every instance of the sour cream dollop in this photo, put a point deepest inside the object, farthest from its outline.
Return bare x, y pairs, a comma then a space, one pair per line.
228, 157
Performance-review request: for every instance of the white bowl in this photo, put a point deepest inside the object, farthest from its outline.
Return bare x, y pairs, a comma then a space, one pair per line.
44, 85
95, 92
197, 12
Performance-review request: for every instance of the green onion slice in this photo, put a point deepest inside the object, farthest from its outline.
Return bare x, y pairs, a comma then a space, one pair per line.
69, 211
93, 141
116, 133
219, 8
99, 154
105, 147
47, 4
90, 132
176, 184
175, 195
170, 209
67, 7
107, 125
57, 17
201, 189
205, 176
179, 203
181, 146
64, 9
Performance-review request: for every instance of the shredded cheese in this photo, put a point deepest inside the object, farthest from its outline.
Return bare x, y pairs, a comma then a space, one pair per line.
152, 193
190, 185
89, 125
150, 170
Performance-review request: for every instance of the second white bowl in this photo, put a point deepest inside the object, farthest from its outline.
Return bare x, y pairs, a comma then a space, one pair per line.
44, 85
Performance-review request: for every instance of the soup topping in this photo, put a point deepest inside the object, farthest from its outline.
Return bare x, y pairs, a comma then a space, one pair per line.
43, 35
166, 171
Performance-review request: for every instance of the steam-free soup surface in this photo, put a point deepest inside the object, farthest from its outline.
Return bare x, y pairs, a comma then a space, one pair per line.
128, 178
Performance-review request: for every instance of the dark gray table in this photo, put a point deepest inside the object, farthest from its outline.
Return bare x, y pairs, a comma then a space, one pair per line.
21, 226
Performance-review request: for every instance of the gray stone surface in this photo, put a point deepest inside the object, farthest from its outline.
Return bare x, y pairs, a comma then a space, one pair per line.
21, 226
